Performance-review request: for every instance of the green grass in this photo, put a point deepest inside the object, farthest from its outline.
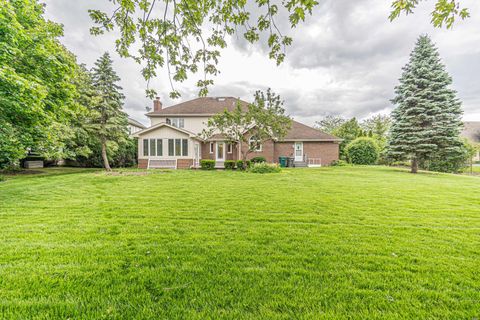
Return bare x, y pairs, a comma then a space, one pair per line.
328, 243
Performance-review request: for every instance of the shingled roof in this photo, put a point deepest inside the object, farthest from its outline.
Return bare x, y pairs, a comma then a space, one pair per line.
203, 106
302, 132
471, 131
208, 106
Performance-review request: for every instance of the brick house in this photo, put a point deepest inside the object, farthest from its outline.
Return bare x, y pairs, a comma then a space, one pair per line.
172, 140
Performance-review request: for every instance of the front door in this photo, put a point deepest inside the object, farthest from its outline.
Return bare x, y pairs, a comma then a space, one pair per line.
220, 156
298, 151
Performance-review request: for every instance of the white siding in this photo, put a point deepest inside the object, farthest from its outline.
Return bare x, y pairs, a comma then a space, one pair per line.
192, 124
165, 133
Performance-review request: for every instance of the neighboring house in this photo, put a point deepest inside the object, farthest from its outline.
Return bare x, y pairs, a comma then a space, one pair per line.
173, 139
134, 126
471, 131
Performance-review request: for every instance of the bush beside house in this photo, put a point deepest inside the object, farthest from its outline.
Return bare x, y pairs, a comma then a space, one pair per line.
362, 151
240, 164
207, 164
258, 159
263, 167
229, 164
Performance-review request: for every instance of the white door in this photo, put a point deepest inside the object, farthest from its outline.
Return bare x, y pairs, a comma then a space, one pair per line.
298, 151
220, 155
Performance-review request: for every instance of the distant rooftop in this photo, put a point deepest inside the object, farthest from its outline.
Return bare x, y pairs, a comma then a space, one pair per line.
471, 130
135, 123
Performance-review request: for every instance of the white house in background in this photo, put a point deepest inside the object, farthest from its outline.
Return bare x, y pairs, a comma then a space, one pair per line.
471, 131
134, 126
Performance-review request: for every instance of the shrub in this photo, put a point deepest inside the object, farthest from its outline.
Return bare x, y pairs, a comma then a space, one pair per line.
362, 151
229, 164
263, 167
207, 164
240, 164
339, 163
258, 160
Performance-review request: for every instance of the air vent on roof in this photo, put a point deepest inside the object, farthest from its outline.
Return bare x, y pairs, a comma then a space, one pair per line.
221, 99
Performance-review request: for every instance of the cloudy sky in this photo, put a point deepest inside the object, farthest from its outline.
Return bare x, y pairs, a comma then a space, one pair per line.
345, 60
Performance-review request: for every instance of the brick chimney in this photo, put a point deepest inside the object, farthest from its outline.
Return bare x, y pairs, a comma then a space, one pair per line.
157, 104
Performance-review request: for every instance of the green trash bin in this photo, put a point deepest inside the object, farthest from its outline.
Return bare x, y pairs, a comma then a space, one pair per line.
282, 161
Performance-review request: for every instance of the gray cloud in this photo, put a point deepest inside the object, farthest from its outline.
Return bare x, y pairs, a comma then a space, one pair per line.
351, 44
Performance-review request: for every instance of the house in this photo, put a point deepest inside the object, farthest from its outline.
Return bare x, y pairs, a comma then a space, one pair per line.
134, 126
172, 140
471, 131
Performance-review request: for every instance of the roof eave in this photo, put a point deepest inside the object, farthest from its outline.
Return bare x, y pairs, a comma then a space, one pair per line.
180, 114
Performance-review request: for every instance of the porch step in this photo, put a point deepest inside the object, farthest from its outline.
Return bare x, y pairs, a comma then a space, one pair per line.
300, 164
219, 164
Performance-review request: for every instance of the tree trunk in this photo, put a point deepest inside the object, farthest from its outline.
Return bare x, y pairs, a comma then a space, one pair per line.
104, 156
414, 165
244, 161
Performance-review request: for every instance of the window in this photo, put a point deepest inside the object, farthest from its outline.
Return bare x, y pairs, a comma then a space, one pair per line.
211, 147
229, 148
178, 147
153, 147
159, 147
184, 147
254, 144
145, 147
171, 147
176, 122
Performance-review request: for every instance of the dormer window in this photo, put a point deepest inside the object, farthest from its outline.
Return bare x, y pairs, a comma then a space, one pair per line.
176, 122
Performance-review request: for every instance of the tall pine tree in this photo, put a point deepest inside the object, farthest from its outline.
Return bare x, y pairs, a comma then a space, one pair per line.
107, 119
426, 122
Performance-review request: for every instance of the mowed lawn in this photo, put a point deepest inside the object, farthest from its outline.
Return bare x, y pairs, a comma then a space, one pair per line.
327, 243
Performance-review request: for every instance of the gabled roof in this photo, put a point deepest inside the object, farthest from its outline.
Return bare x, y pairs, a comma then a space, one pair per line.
298, 132
163, 124
204, 106
135, 123
471, 131
302, 132
209, 106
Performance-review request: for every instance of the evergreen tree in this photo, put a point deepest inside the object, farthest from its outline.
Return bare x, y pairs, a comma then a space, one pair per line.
426, 122
108, 120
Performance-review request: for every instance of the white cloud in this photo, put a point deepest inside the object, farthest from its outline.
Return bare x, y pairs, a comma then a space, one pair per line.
345, 59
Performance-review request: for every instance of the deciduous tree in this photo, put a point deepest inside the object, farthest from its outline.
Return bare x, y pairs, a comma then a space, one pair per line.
187, 36
36, 84
250, 126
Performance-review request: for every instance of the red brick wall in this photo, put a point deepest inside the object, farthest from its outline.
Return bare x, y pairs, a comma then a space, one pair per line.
184, 163
228, 156
142, 163
327, 151
206, 151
